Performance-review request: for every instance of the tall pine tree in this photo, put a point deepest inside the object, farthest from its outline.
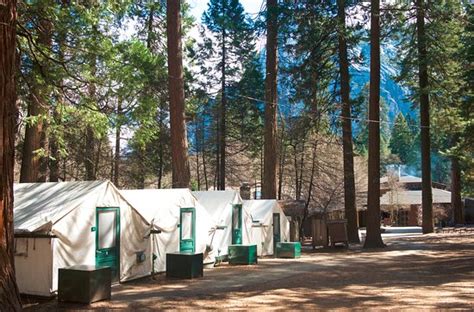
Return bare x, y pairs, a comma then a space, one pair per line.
227, 47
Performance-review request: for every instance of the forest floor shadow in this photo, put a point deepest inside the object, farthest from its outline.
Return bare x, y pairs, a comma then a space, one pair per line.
434, 271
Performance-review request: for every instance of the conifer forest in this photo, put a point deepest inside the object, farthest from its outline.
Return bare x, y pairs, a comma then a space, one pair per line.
313, 102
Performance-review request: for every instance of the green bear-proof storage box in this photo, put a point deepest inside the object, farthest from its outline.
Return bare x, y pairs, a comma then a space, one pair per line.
288, 250
84, 283
242, 254
184, 265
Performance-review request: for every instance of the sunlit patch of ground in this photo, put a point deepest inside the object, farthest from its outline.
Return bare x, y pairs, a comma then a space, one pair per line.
433, 271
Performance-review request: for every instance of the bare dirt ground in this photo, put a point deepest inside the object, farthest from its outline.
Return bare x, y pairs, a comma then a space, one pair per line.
433, 271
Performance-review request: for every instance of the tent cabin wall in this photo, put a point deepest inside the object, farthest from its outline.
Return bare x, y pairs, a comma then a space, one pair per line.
263, 238
34, 265
69, 213
161, 208
262, 230
220, 206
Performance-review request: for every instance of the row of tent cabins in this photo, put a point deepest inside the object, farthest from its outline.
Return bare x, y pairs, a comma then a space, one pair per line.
63, 224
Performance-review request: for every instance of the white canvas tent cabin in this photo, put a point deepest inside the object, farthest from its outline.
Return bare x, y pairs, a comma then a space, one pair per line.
270, 225
184, 225
62, 224
233, 220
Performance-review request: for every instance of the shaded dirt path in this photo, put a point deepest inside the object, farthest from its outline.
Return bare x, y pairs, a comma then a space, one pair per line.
434, 271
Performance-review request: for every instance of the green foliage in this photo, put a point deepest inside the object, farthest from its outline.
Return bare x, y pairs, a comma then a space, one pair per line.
361, 129
226, 28
445, 30
402, 141
246, 112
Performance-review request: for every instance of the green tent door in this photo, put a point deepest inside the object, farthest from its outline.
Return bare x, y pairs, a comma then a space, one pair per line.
276, 230
187, 230
108, 239
236, 224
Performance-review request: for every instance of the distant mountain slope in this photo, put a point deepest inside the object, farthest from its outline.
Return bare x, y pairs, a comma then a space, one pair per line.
394, 94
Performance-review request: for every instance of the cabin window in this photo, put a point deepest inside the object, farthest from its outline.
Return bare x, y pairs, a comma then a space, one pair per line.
21, 247
107, 230
187, 225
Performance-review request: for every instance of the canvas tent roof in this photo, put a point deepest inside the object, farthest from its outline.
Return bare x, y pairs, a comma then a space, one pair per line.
165, 217
260, 210
217, 202
408, 197
38, 206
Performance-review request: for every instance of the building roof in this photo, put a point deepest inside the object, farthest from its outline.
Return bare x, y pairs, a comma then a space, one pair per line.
409, 197
403, 179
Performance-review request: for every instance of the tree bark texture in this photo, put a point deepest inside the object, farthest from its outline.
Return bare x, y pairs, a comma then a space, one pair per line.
456, 200
349, 183
310, 190
426, 192
269, 185
196, 138
118, 129
34, 167
9, 296
89, 163
222, 121
203, 151
54, 150
282, 163
374, 237
179, 143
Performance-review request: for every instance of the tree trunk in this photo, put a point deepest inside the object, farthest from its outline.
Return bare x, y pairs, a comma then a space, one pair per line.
30, 161
198, 174
310, 191
118, 128
297, 187
179, 143
269, 190
141, 168
90, 143
9, 296
54, 149
54, 160
456, 200
426, 192
218, 157
349, 183
204, 169
282, 163
161, 160
301, 169
222, 121
374, 237
34, 166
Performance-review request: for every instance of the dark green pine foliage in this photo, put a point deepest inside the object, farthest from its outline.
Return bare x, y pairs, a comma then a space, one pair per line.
246, 112
465, 144
402, 141
310, 56
227, 47
229, 31
446, 88
361, 129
